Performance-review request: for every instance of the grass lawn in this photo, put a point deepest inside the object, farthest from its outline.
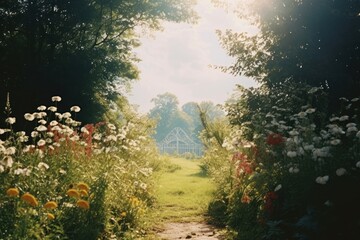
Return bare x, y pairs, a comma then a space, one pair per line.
183, 193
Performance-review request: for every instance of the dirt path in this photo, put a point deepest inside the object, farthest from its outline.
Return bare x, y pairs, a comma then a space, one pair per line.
191, 230
183, 195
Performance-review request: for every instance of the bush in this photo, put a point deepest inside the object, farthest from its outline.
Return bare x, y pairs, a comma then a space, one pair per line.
287, 168
68, 181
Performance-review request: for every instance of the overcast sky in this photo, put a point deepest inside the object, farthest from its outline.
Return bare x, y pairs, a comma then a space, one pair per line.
177, 60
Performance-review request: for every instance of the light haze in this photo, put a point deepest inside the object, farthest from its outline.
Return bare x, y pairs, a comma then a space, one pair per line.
177, 60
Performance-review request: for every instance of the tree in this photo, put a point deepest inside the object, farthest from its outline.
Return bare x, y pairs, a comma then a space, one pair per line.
316, 42
194, 111
166, 112
78, 49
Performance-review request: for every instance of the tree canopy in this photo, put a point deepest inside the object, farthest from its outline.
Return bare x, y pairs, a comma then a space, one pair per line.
316, 42
78, 49
168, 114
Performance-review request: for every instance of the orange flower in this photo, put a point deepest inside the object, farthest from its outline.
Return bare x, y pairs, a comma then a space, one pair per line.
83, 193
30, 199
50, 216
83, 204
50, 205
245, 198
12, 192
83, 186
73, 193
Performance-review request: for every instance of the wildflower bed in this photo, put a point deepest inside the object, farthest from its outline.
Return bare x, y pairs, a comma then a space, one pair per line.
284, 169
69, 181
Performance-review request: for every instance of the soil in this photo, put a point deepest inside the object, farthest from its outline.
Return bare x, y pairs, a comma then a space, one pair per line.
189, 230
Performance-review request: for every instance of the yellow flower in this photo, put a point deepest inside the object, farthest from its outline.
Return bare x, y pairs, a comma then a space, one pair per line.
83, 186
83, 204
12, 192
50, 216
134, 201
30, 199
50, 205
123, 214
73, 193
83, 193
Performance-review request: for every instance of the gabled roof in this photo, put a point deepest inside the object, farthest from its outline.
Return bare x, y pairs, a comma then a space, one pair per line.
177, 135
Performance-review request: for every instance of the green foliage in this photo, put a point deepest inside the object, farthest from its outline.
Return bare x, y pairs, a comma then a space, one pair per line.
79, 49
294, 43
64, 181
292, 171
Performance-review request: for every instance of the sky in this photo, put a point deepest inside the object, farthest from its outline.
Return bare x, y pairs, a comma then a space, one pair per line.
178, 59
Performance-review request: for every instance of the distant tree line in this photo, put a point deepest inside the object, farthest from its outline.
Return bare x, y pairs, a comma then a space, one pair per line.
169, 114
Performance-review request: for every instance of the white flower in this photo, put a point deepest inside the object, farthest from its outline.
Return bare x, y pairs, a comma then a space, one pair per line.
111, 126
358, 134
52, 108
41, 142
43, 166
97, 136
310, 110
294, 170
53, 123
358, 164
7, 161
10, 120
84, 130
75, 109
10, 151
355, 99
321, 152
322, 180
294, 133
26, 148
59, 115
75, 138
69, 121
50, 134
34, 134
2, 169
62, 171
351, 129
56, 99
278, 187
56, 128
340, 171
66, 115
333, 119
41, 108
2, 131
42, 121
41, 128
328, 203
344, 118
309, 147
351, 125
48, 140
291, 154
18, 171
29, 117
302, 114
335, 142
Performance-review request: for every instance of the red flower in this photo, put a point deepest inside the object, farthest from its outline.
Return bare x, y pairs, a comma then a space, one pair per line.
269, 198
245, 198
274, 139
